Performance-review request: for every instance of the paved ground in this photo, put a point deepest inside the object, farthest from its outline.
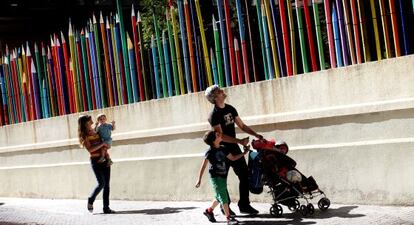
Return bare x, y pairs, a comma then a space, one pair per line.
66, 212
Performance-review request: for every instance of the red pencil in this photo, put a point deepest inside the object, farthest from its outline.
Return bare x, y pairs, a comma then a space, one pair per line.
330, 33
60, 75
310, 35
394, 24
69, 79
137, 55
230, 42
31, 84
285, 34
107, 65
356, 31
238, 61
57, 77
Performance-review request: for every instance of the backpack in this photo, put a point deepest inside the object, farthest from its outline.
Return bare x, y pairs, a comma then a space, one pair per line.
255, 173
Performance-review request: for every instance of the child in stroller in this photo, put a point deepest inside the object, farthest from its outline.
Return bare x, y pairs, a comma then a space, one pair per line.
270, 166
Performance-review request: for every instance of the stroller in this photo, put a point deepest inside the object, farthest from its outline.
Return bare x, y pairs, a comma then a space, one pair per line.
269, 165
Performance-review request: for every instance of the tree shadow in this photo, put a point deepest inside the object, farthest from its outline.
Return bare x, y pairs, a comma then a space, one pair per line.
166, 210
341, 212
277, 222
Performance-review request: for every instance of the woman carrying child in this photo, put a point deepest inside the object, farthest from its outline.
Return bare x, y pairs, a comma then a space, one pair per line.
89, 139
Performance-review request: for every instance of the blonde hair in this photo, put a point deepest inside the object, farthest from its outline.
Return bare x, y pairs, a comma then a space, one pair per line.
100, 115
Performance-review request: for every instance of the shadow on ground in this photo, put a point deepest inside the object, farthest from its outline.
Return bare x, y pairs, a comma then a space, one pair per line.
297, 218
1, 203
166, 210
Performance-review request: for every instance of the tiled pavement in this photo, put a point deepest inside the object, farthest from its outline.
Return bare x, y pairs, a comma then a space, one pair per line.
14, 211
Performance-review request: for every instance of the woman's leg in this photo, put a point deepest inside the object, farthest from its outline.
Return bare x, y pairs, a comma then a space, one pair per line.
97, 170
106, 171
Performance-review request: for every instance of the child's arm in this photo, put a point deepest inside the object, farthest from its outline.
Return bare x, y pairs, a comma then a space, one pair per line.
201, 172
236, 157
113, 125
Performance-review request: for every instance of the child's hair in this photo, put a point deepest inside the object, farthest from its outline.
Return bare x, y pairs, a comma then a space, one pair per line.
100, 115
209, 137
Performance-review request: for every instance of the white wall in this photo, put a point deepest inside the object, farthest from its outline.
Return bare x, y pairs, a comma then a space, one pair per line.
351, 128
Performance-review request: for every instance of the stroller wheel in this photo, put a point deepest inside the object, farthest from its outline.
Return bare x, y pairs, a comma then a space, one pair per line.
311, 209
324, 204
303, 210
276, 210
295, 206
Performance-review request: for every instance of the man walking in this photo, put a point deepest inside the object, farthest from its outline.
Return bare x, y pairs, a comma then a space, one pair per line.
222, 120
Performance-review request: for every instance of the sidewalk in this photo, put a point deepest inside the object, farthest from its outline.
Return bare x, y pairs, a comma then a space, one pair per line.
15, 211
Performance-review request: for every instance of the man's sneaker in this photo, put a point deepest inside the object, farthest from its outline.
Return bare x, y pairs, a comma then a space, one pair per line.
210, 216
233, 214
108, 211
248, 209
232, 221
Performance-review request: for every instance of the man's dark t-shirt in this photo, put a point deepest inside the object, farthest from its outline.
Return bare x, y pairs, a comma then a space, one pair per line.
217, 159
226, 118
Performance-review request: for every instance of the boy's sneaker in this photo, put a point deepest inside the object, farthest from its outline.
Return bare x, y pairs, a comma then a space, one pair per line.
109, 162
248, 209
101, 159
232, 221
210, 216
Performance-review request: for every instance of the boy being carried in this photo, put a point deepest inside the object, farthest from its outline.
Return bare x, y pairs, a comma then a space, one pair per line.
104, 130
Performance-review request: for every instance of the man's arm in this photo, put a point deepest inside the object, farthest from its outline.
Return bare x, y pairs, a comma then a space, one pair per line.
238, 156
229, 139
246, 128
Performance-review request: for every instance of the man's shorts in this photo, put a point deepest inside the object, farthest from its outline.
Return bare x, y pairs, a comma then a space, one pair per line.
220, 189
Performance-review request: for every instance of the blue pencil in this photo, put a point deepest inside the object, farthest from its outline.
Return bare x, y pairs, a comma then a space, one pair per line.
200, 71
36, 91
404, 28
133, 72
94, 68
278, 36
337, 40
224, 42
3, 93
167, 64
341, 22
155, 62
111, 60
184, 45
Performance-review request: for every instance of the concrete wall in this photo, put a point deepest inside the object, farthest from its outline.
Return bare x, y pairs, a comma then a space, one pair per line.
351, 128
